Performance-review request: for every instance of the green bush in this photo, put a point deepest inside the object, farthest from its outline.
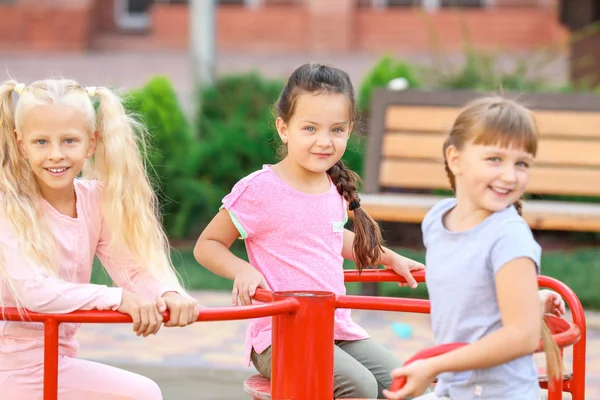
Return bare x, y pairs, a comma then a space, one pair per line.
382, 72
173, 155
236, 131
480, 72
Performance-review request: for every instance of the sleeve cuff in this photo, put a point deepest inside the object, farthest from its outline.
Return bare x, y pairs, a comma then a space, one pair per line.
113, 297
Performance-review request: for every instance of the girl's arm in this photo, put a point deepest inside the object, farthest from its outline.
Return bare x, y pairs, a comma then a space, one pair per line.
212, 251
38, 291
519, 304
389, 259
127, 273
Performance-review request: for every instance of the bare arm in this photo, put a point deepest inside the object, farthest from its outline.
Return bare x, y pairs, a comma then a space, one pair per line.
212, 247
212, 251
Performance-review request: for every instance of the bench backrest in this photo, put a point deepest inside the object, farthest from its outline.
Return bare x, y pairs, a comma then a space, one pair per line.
407, 130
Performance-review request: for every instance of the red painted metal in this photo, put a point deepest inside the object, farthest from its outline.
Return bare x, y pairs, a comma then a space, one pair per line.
51, 322
258, 387
575, 385
303, 355
302, 348
383, 304
423, 354
50, 358
380, 275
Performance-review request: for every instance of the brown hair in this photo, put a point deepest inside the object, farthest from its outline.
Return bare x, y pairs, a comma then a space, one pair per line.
503, 122
317, 78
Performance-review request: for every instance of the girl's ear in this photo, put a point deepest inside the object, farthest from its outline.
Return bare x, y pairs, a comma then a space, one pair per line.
282, 129
453, 159
93, 143
19, 139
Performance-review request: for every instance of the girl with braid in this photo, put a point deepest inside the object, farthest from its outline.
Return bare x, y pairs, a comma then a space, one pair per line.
482, 262
292, 216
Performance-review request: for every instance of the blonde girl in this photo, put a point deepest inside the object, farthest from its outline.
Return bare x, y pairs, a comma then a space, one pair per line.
53, 221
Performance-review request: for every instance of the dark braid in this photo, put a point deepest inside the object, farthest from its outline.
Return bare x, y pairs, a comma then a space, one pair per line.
368, 242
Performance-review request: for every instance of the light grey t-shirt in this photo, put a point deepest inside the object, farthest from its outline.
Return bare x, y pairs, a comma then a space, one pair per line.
461, 267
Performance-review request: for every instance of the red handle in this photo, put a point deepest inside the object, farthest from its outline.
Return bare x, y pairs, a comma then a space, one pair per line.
423, 354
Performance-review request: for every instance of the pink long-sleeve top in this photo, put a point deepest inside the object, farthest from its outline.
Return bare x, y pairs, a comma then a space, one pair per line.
78, 240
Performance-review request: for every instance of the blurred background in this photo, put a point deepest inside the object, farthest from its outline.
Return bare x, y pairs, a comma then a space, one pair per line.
204, 74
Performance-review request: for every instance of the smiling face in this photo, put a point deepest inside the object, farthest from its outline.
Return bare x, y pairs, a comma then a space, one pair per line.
56, 141
489, 178
317, 133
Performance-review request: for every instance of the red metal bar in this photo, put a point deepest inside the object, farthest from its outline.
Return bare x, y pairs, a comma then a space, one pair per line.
115, 317
50, 358
577, 385
383, 304
287, 306
302, 355
379, 275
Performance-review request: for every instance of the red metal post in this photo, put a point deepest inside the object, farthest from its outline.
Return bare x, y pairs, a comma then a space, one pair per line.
51, 359
577, 385
302, 348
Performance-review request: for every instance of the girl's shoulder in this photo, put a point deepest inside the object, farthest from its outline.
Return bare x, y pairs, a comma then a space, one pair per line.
437, 211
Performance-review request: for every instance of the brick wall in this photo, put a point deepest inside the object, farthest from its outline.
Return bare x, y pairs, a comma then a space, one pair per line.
46, 26
364, 29
238, 28
332, 26
413, 31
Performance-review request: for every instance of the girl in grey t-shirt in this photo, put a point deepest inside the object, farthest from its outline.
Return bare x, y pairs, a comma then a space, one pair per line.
482, 262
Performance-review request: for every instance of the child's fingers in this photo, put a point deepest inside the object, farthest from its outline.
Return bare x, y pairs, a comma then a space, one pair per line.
416, 266
234, 295
392, 395
410, 280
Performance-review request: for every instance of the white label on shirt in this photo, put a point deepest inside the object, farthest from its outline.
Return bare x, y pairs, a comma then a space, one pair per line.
478, 390
338, 226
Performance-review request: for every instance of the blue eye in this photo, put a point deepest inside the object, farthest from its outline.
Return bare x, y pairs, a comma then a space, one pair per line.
41, 141
338, 130
523, 164
309, 128
494, 159
70, 141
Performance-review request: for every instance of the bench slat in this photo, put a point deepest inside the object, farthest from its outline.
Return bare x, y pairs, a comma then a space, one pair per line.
539, 214
440, 119
550, 151
544, 180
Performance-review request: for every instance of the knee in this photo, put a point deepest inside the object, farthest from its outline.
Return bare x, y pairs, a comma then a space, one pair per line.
359, 384
148, 390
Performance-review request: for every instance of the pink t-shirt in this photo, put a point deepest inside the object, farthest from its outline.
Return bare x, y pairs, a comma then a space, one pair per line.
295, 240
78, 240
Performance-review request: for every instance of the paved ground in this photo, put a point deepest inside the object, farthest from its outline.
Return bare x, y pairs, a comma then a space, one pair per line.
204, 361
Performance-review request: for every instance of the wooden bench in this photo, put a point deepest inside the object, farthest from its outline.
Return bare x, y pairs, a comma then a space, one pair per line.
404, 162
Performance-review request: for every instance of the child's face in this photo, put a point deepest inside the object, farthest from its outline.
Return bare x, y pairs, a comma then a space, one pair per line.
491, 177
317, 133
55, 141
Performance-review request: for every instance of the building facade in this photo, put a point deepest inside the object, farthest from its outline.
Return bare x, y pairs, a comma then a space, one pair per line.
336, 26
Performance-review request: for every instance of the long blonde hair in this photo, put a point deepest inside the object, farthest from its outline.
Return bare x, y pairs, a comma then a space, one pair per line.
129, 203
503, 122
